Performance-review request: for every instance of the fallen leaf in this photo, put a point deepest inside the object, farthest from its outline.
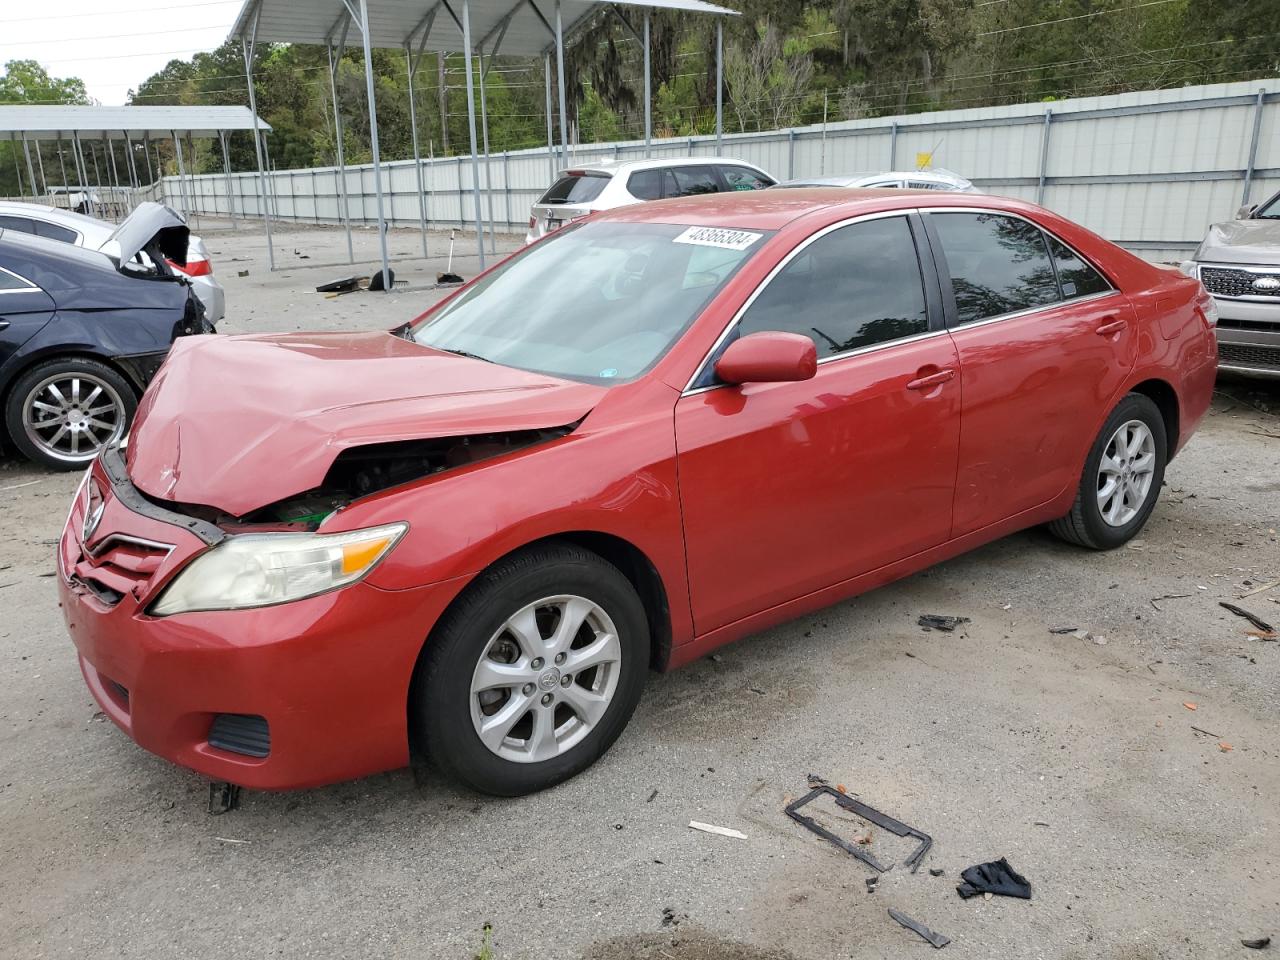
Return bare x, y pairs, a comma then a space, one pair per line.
1225, 747
1190, 706
840, 787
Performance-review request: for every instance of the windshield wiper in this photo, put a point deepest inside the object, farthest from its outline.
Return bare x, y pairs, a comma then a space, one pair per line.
462, 353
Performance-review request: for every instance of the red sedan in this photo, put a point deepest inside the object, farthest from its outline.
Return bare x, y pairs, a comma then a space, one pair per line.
652, 433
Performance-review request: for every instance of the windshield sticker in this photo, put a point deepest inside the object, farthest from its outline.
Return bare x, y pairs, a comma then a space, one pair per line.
718, 237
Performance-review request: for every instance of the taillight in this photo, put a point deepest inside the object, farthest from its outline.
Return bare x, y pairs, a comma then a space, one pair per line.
194, 268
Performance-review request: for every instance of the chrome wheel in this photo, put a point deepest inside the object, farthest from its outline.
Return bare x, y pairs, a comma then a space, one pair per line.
71, 416
1125, 472
545, 679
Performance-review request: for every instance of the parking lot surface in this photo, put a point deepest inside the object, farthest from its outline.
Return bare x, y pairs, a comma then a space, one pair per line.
1129, 769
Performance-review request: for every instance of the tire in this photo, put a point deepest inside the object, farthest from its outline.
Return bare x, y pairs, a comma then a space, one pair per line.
46, 429
475, 644
1088, 525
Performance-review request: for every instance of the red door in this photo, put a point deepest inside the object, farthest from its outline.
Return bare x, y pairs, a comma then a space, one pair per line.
1044, 346
787, 488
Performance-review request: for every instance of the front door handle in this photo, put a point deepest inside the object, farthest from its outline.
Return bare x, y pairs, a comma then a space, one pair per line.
931, 380
1107, 329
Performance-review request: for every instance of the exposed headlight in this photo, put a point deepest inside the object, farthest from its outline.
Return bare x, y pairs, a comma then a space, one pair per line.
261, 569
1190, 268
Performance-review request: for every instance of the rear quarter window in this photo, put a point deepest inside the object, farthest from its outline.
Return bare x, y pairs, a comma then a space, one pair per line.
645, 184
576, 188
54, 232
1077, 278
740, 178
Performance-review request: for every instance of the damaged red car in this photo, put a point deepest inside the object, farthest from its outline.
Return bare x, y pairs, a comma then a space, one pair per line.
470, 538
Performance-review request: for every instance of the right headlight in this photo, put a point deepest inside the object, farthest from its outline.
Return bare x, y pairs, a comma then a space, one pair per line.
1190, 268
263, 569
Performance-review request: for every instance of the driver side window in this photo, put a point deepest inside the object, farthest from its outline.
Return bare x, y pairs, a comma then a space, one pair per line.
855, 287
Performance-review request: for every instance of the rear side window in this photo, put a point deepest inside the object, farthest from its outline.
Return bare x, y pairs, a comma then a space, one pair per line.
576, 188
1077, 278
18, 224
997, 264
55, 232
740, 178
854, 287
690, 181
645, 184
11, 281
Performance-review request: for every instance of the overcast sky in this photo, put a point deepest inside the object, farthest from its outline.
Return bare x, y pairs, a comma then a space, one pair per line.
112, 45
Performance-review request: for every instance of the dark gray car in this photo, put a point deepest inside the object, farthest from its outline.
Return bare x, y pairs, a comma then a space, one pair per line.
1239, 264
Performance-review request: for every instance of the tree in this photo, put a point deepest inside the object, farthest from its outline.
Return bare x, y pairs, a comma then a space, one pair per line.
26, 81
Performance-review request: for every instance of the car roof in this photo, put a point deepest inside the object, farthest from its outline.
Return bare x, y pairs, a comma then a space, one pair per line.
66, 253
614, 167
53, 215
774, 209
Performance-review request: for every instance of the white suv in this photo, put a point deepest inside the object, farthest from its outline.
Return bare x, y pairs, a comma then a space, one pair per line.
602, 186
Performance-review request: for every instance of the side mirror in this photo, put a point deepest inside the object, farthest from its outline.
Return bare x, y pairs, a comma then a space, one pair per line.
768, 357
1245, 212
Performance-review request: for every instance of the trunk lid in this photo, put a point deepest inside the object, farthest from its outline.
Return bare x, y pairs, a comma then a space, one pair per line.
153, 229
238, 423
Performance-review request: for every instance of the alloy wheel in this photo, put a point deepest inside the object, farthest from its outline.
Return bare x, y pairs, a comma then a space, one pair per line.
545, 679
1125, 472
71, 416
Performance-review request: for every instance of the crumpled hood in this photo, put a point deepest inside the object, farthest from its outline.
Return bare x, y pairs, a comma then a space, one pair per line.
1242, 241
238, 423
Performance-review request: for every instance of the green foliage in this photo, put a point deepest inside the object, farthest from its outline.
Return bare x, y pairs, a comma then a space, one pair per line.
26, 81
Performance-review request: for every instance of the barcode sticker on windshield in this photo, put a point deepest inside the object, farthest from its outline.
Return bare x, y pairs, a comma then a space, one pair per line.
719, 237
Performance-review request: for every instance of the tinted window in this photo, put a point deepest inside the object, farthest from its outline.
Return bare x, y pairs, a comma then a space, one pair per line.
21, 224
997, 264
884, 183
927, 185
645, 184
692, 180
740, 178
8, 281
856, 286
576, 188
1077, 278
55, 232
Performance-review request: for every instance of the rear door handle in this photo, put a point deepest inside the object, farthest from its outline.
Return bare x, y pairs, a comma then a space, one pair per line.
1107, 329
932, 380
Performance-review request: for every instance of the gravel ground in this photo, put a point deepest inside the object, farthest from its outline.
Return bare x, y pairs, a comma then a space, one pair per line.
1142, 836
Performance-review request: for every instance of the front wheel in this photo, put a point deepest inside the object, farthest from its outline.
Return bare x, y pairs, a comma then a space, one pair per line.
1121, 480
533, 673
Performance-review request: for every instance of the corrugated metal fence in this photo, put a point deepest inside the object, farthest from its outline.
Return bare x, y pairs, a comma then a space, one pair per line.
1148, 170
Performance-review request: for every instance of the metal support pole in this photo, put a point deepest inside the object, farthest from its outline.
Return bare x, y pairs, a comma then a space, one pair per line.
17, 167
226, 172
564, 109
373, 140
182, 176
1044, 155
62, 165
31, 173
411, 65
791, 153
335, 58
648, 88
97, 174
44, 181
893, 145
146, 153
82, 172
488, 164
1253, 146
551, 139
247, 44
471, 125
133, 168
719, 85
111, 166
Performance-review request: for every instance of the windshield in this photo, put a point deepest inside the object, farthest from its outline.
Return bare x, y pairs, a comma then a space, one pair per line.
600, 302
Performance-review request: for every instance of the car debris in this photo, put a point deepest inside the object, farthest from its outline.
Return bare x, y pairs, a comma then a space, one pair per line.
447, 278
1261, 943
936, 871
997, 878
871, 882
868, 813
718, 831
1155, 601
936, 621
1262, 589
1215, 736
1063, 630
915, 926
342, 285
1242, 612
223, 798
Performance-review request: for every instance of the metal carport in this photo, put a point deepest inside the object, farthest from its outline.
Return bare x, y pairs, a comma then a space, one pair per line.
24, 123
513, 27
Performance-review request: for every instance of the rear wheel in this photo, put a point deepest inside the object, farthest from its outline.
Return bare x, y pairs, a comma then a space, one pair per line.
533, 673
1121, 480
61, 413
